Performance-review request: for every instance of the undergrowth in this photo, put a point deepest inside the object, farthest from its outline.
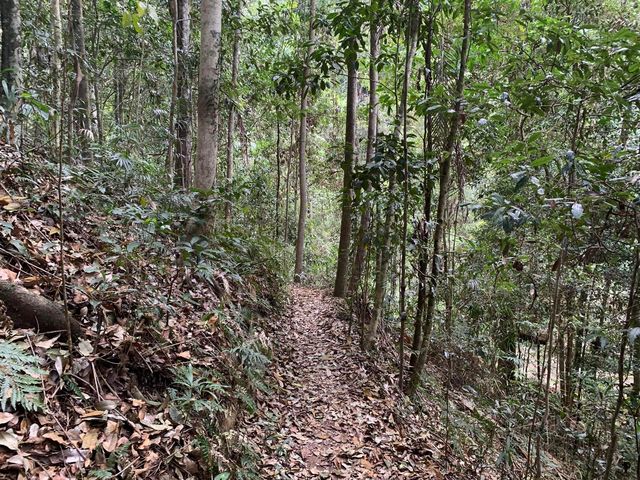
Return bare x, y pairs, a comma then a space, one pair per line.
151, 281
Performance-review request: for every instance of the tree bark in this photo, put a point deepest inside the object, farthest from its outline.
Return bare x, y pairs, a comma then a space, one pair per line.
302, 157
30, 310
350, 146
231, 123
427, 185
81, 91
208, 85
11, 59
56, 74
181, 13
372, 132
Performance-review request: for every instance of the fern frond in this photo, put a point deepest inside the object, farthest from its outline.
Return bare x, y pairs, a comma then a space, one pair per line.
20, 378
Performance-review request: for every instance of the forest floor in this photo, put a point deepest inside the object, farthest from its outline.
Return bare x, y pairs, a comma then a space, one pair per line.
337, 415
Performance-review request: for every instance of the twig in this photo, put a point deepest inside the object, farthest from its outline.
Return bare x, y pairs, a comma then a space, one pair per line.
62, 270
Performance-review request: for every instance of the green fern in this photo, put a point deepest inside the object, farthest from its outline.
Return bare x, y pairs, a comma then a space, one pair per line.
19, 379
100, 474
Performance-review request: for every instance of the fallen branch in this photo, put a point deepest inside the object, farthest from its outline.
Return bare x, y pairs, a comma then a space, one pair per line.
30, 310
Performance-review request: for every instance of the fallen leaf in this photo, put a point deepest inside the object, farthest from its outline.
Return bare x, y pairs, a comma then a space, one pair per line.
9, 440
6, 417
85, 348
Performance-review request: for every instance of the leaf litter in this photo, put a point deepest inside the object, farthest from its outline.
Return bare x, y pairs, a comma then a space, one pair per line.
336, 414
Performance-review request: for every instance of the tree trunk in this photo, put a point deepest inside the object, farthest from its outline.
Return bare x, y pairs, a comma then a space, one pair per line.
372, 132
427, 185
350, 146
81, 91
56, 75
633, 317
302, 158
412, 43
383, 255
444, 179
382, 264
30, 310
10, 66
181, 12
208, 83
231, 123
285, 237
278, 175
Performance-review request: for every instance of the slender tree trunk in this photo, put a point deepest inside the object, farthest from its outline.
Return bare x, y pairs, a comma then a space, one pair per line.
170, 161
427, 185
56, 74
382, 263
302, 158
444, 179
82, 103
278, 175
286, 187
181, 12
350, 147
412, 43
372, 132
208, 83
231, 122
633, 317
10, 65
118, 98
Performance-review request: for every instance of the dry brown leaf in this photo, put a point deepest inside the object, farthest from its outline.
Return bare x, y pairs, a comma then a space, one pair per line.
9, 440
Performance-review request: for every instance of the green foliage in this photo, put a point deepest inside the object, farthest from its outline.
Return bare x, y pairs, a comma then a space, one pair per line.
196, 395
20, 378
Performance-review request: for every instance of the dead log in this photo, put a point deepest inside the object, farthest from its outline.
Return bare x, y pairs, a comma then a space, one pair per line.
30, 310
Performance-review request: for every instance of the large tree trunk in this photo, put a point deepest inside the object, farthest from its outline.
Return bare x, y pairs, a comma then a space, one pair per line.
350, 146
231, 124
444, 179
10, 67
209, 79
181, 13
30, 310
302, 157
372, 132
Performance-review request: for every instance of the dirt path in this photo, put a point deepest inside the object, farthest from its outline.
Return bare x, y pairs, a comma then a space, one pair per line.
331, 418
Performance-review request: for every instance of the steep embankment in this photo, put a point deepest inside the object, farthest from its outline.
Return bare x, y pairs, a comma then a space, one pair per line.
172, 351
335, 415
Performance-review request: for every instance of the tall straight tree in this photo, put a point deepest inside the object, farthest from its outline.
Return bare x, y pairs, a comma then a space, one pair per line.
181, 13
231, 123
372, 132
414, 25
427, 185
302, 156
208, 86
350, 147
444, 179
11, 58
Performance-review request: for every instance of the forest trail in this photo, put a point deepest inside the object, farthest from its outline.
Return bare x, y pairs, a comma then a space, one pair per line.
332, 416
